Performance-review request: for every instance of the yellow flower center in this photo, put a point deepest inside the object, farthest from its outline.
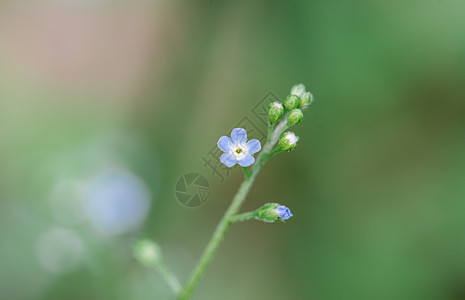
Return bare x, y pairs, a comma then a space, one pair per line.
239, 151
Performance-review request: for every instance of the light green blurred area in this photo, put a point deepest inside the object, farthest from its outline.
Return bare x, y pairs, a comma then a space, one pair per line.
140, 91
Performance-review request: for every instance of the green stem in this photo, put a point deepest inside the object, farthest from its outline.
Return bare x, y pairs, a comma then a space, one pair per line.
244, 216
246, 172
233, 209
270, 131
170, 279
220, 231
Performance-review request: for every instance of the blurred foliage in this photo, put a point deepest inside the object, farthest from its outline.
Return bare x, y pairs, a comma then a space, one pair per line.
145, 89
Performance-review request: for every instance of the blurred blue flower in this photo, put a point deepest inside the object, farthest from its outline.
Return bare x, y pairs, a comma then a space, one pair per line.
237, 150
117, 202
283, 212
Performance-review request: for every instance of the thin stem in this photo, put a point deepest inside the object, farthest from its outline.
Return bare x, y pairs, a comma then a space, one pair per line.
233, 209
219, 233
244, 216
276, 151
270, 131
170, 279
246, 172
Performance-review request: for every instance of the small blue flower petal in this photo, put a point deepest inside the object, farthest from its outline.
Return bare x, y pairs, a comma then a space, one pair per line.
254, 146
239, 135
246, 161
225, 143
283, 212
228, 160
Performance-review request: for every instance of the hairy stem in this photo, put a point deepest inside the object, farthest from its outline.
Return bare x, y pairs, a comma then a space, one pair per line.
233, 209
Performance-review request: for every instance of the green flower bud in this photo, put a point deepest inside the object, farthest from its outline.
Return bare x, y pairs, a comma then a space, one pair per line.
305, 100
275, 111
273, 212
295, 117
147, 252
288, 141
298, 89
291, 102
267, 213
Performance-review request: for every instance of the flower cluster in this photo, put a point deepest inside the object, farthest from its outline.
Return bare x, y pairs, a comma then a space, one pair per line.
237, 150
298, 100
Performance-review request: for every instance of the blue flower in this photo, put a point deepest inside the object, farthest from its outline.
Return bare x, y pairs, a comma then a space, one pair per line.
283, 212
237, 150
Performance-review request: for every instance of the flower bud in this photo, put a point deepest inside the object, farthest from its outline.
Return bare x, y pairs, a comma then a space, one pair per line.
288, 141
298, 89
291, 102
275, 111
305, 100
295, 117
273, 212
283, 212
147, 252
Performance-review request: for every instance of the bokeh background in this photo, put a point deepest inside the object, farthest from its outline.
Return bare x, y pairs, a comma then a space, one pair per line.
105, 104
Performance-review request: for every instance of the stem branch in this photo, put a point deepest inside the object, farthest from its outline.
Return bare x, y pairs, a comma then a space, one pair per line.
231, 212
244, 216
170, 279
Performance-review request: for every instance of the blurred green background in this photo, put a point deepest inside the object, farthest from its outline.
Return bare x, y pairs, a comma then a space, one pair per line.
105, 104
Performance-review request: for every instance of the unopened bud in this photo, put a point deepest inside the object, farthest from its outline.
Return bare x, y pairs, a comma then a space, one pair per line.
273, 212
298, 89
291, 102
275, 111
295, 117
305, 100
147, 252
288, 141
